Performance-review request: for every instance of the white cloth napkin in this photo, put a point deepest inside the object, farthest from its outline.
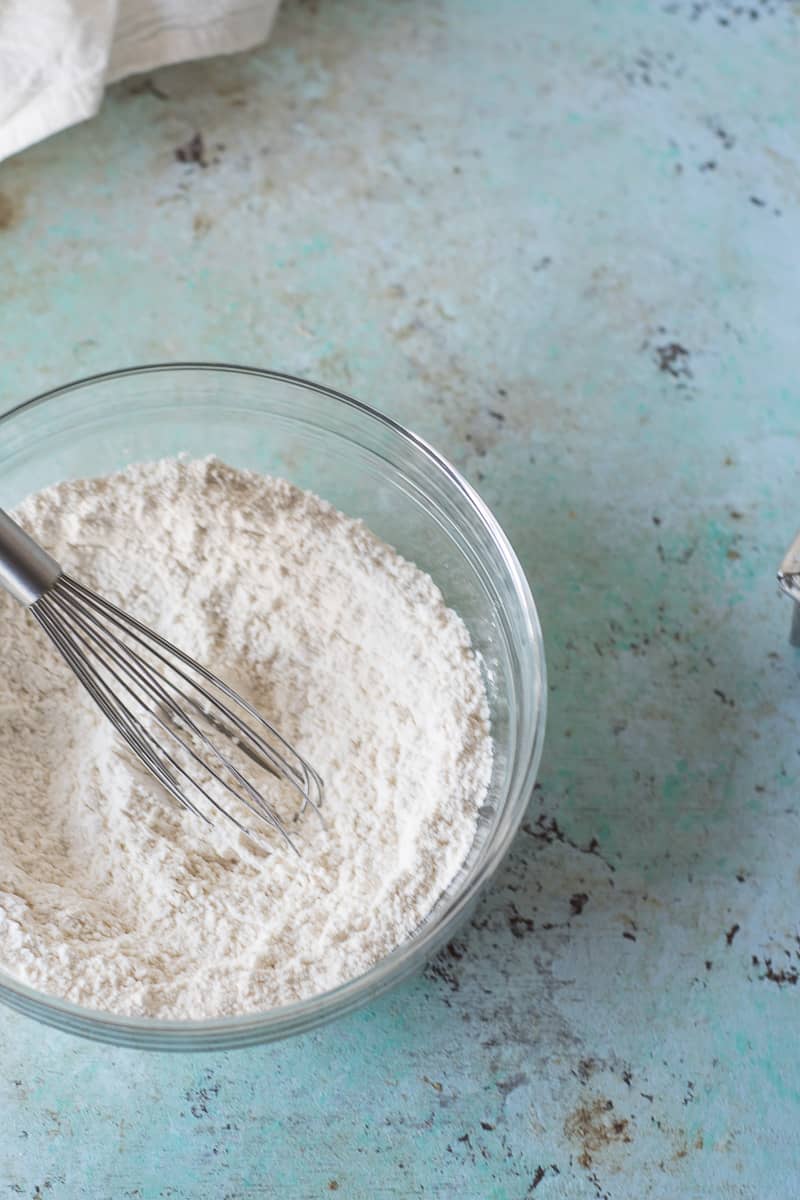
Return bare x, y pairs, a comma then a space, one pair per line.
56, 56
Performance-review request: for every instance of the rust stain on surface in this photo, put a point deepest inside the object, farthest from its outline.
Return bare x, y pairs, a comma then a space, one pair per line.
8, 212
595, 1126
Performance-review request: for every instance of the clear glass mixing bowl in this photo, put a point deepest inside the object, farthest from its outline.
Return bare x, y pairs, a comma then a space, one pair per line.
369, 467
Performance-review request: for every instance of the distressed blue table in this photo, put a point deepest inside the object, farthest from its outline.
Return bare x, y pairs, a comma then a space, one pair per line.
561, 241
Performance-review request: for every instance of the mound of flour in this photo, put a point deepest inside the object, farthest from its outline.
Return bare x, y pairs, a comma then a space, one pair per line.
114, 897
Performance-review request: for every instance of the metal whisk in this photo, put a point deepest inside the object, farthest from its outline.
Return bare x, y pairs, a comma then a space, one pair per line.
138, 679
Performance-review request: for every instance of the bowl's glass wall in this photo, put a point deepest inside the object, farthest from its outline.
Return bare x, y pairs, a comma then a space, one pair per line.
368, 468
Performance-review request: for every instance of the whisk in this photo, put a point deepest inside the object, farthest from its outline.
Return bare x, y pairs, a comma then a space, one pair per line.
142, 682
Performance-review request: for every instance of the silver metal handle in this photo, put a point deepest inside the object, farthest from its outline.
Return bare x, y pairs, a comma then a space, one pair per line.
26, 570
789, 579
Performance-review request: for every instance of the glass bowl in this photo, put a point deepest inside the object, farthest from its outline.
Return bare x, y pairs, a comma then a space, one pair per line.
369, 467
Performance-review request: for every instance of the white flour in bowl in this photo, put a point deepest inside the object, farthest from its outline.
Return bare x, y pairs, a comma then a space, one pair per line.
110, 894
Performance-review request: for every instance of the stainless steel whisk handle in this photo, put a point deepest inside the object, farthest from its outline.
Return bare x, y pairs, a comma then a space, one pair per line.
26, 570
789, 580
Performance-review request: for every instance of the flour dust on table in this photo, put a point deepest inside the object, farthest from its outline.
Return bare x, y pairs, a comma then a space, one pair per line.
114, 897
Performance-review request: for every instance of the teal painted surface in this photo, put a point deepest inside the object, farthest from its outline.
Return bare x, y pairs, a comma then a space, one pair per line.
561, 242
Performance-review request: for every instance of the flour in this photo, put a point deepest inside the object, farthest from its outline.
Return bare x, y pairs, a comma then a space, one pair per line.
110, 894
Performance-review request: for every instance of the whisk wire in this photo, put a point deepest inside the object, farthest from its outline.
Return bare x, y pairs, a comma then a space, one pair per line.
298, 773
132, 665
117, 713
95, 637
141, 681
149, 679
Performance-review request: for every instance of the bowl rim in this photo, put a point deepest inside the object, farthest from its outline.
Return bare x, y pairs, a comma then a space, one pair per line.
299, 1016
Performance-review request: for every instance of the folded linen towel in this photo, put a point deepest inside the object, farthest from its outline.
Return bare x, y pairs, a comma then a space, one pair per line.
56, 56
